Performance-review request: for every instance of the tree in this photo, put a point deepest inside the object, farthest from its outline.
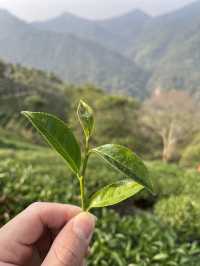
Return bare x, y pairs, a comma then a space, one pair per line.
2, 69
173, 116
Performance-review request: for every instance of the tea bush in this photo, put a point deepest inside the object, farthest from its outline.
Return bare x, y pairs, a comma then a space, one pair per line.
182, 213
191, 183
40, 175
139, 238
177, 202
171, 179
191, 155
168, 179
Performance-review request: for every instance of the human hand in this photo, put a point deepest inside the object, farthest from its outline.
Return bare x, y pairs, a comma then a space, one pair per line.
46, 234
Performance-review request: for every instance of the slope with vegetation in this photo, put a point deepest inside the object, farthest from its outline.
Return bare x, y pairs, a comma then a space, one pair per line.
160, 230
115, 33
30, 89
166, 46
82, 28
73, 59
22, 88
169, 47
133, 53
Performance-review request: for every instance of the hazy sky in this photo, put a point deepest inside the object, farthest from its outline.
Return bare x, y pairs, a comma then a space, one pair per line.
42, 9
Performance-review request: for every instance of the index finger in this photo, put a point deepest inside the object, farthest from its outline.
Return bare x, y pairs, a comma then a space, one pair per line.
27, 227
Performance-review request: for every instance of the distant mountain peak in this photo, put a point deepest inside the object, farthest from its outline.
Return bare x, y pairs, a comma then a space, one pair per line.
133, 14
137, 12
8, 16
4, 12
68, 14
65, 15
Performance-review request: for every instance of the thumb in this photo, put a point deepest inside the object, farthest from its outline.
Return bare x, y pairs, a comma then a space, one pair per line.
71, 244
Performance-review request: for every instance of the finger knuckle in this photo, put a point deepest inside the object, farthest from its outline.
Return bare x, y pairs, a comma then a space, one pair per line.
73, 257
35, 205
66, 257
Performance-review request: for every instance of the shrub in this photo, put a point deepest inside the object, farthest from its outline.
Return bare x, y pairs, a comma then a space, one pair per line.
139, 240
191, 155
172, 180
191, 183
182, 213
168, 179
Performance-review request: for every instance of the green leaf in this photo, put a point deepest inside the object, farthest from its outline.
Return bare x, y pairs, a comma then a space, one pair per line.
125, 161
86, 118
59, 137
114, 193
160, 256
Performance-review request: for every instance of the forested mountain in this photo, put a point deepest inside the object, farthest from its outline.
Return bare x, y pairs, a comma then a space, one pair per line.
133, 53
127, 27
83, 28
163, 32
116, 33
169, 47
73, 59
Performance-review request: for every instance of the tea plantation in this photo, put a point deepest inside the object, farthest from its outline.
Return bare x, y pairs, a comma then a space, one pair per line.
161, 230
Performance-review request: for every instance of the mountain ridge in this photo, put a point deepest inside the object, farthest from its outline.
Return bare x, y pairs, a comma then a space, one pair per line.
169, 47
71, 58
133, 53
113, 33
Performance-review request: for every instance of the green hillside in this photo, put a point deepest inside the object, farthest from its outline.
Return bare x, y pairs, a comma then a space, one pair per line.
22, 89
29, 89
169, 47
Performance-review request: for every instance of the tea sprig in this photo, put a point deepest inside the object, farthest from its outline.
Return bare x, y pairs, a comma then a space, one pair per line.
61, 138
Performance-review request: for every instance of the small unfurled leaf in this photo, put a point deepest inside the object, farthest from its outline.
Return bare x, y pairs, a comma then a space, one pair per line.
59, 136
114, 193
85, 115
125, 161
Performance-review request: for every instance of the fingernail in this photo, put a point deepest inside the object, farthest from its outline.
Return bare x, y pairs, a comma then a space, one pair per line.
83, 225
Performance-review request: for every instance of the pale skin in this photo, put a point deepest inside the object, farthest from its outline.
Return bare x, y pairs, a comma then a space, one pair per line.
47, 234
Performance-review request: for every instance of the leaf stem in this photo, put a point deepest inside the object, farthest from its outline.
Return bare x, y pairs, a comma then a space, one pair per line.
82, 177
82, 191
